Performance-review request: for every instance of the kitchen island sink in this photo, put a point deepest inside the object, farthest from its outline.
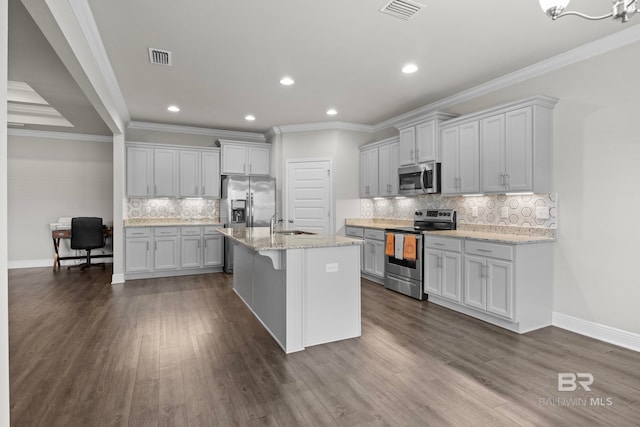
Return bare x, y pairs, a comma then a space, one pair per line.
304, 288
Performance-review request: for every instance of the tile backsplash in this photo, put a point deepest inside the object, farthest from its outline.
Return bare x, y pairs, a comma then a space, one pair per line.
521, 208
173, 208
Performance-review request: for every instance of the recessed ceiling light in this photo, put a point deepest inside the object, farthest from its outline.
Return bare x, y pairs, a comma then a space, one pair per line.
410, 68
332, 111
250, 117
287, 81
173, 108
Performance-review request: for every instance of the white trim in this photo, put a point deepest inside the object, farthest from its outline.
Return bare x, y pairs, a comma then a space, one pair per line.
189, 130
597, 47
597, 331
89, 29
117, 278
308, 127
59, 135
48, 262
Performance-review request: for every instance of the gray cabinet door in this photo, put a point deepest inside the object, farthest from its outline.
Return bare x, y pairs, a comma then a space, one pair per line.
213, 251
138, 255
165, 173
166, 253
139, 171
189, 174
210, 162
474, 282
190, 252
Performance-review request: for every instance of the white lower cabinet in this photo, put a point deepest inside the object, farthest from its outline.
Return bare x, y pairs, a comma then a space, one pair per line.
138, 256
172, 251
443, 267
374, 254
166, 248
509, 285
356, 233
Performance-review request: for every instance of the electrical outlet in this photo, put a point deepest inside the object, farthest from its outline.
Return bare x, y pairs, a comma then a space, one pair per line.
474, 211
504, 212
542, 212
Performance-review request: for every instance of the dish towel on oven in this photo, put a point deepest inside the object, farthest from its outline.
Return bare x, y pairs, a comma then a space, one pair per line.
410, 245
399, 252
390, 248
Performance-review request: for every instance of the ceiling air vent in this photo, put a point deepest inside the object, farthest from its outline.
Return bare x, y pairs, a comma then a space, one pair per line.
403, 9
159, 56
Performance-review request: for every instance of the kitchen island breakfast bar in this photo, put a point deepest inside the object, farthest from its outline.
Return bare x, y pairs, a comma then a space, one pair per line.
304, 288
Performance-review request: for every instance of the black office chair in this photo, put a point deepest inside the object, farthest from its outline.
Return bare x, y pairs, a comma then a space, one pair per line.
87, 234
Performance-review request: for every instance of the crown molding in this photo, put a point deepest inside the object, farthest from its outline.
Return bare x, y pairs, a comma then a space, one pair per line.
88, 26
381, 142
592, 49
58, 135
307, 127
189, 130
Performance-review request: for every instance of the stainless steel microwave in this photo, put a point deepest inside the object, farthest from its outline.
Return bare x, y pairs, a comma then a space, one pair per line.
423, 178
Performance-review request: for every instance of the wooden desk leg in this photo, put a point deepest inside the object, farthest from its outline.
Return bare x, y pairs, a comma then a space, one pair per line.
56, 256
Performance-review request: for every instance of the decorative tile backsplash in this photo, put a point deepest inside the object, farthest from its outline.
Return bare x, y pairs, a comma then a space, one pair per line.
521, 208
173, 208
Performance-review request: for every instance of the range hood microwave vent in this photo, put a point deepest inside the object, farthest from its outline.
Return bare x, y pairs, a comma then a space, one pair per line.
403, 9
159, 56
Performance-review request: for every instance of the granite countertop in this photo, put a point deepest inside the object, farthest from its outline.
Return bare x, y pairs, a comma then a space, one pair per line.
490, 236
379, 223
260, 239
490, 233
167, 222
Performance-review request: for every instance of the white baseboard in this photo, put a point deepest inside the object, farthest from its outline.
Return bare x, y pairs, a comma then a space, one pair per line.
48, 262
31, 263
117, 278
597, 331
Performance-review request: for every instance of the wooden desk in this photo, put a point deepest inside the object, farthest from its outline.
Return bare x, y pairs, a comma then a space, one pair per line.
56, 235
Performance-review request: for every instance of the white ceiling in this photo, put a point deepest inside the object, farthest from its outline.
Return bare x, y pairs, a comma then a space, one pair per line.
228, 56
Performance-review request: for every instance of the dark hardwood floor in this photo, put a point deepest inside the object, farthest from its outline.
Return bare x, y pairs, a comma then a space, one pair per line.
185, 351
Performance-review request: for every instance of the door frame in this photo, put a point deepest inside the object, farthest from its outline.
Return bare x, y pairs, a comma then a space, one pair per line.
332, 203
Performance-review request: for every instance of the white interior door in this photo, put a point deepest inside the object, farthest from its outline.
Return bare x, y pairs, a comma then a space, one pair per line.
308, 189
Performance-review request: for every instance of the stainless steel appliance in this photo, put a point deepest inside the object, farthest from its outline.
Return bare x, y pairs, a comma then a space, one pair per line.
423, 178
247, 201
406, 276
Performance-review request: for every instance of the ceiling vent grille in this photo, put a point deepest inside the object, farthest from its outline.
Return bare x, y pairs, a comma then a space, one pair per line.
403, 9
159, 56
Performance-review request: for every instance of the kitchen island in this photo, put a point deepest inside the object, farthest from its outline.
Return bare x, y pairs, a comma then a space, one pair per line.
303, 288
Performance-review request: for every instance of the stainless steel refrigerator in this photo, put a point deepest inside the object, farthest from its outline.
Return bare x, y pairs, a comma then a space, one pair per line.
247, 201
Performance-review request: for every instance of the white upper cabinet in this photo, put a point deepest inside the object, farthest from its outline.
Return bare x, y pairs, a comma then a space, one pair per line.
172, 171
139, 171
460, 159
210, 174
165, 172
189, 173
419, 139
245, 158
388, 169
508, 153
369, 172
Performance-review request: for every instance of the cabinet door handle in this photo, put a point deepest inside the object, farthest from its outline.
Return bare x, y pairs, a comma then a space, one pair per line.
440, 261
155, 189
147, 190
244, 168
501, 180
196, 190
417, 153
155, 245
411, 154
147, 243
507, 180
250, 167
203, 190
438, 244
485, 250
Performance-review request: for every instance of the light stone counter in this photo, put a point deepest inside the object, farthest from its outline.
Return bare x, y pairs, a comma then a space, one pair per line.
517, 239
259, 239
379, 223
169, 222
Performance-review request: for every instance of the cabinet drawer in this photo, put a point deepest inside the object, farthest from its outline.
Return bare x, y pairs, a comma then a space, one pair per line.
138, 232
443, 243
494, 250
373, 234
165, 231
191, 231
356, 232
211, 229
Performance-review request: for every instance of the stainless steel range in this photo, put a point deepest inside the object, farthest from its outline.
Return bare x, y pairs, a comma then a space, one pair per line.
405, 274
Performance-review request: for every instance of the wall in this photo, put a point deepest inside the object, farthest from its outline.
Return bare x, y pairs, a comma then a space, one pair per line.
342, 148
597, 153
52, 178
